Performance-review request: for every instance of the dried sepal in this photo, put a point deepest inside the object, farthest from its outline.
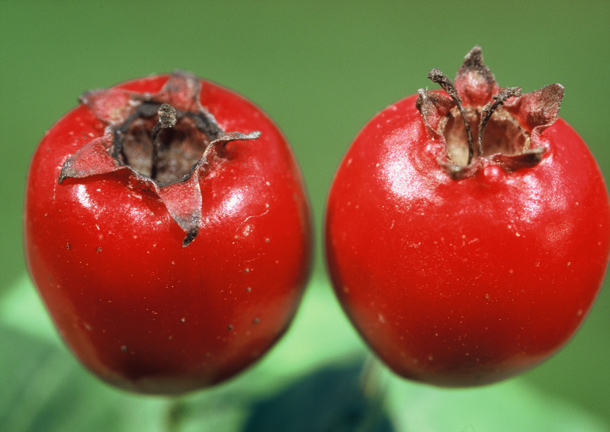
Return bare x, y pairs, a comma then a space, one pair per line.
91, 159
183, 199
527, 159
539, 109
181, 91
433, 106
183, 202
226, 137
112, 106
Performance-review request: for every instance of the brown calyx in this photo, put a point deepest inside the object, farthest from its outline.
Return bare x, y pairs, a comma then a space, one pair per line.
478, 120
162, 143
489, 134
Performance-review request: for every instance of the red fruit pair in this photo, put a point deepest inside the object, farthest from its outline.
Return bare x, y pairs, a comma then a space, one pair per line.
168, 231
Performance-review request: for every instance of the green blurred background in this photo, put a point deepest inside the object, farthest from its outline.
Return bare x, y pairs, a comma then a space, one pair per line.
321, 70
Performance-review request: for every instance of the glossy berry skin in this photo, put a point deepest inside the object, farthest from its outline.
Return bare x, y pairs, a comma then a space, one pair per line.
464, 281
137, 307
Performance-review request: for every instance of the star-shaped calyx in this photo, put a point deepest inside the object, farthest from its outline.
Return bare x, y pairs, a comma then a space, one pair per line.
163, 139
482, 123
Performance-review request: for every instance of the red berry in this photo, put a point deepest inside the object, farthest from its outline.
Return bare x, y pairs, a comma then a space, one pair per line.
170, 253
467, 231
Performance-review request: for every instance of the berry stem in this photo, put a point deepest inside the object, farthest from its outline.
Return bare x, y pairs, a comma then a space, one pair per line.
437, 77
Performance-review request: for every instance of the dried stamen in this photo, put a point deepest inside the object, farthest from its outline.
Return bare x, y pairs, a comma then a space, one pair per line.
167, 119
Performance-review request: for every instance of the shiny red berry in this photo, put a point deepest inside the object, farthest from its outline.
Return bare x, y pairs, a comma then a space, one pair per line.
468, 230
168, 232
